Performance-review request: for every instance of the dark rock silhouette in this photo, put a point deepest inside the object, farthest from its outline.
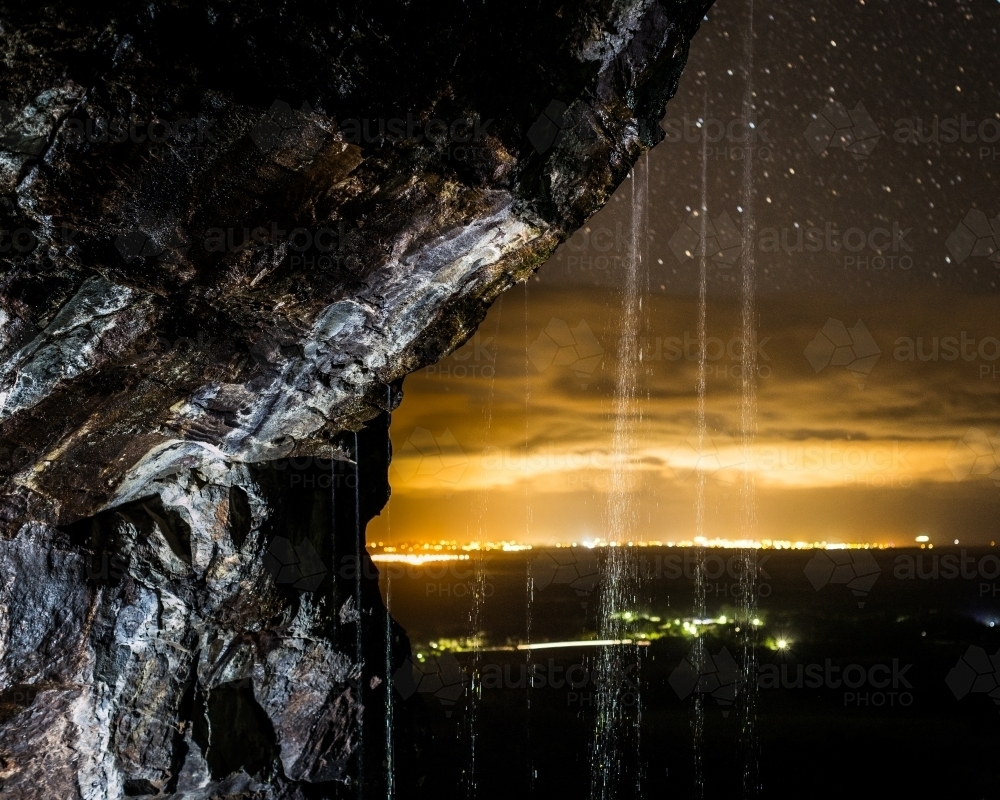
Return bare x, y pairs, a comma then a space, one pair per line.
227, 232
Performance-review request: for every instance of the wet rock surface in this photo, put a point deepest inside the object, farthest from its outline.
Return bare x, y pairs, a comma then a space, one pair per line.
214, 634
228, 232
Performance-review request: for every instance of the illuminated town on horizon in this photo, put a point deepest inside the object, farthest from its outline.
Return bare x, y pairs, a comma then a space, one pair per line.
417, 553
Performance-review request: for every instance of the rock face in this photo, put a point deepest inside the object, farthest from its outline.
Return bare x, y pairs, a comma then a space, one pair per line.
219, 631
226, 234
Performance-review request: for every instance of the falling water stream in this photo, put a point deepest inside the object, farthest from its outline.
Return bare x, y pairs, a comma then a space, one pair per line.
619, 595
390, 744
700, 612
358, 650
478, 591
529, 586
617, 719
390, 753
748, 428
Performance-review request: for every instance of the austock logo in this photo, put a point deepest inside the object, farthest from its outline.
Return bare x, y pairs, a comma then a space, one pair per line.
713, 454
976, 673
163, 240
236, 240
306, 130
835, 127
858, 570
985, 350
932, 565
424, 454
687, 566
13, 136
559, 345
975, 237
879, 677
857, 133
579, 570
855, 569
14, 457
398, 130
567, 566
856, 349
282, 127
722, 241
441, 677
178, 139
878, 249
718, 676
550, 127
715, 350
977, 454
860, 464
104, 566
166, 243
18, 244
18, 697
740, 139
444, 579
475, 359
620, 682
298, 565
951, 130
605, 244
837, 345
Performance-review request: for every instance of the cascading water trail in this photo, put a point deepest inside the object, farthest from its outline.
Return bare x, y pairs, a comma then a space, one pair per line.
390, 744
358, 651
390, 754
748, 428
529, 586
620, 575
530, 589
700, 611
478, 597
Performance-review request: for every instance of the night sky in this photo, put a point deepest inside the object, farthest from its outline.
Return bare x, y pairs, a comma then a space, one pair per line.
881, 210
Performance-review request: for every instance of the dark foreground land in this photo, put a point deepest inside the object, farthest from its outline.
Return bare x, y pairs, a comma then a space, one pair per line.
860, 695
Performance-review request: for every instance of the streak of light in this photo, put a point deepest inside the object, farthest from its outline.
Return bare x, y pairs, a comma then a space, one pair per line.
585, 643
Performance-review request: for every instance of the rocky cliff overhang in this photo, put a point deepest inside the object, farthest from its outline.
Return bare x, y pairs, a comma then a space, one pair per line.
227, 232
236, 225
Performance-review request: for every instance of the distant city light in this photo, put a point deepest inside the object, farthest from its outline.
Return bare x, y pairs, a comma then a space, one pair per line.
383, 549
923, 538
416, 559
